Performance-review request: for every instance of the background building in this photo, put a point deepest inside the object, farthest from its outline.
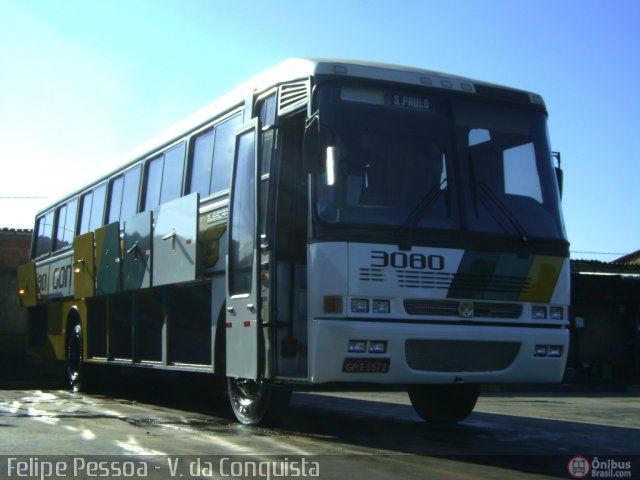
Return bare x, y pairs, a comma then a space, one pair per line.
14, 251
605, 319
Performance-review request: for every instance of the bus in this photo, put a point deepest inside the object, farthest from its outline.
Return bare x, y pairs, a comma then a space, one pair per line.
327, 224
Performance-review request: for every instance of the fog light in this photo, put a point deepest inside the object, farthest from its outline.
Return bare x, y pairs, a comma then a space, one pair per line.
359, 305
555, 351
381, 306
377, 346
540, 351
539, 313
556, 313
357, 346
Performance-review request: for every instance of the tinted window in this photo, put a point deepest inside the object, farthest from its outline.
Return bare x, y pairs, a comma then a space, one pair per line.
124, 195
97, 209
115, 201
66, 224
172, 174
201, 169
164, 177
44, 226
85, 212
154, 183
243, 219
130, 194
223, 154
91, 210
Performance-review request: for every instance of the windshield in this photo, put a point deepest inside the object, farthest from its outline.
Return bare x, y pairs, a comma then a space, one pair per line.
386, 160
403, 159
507, 167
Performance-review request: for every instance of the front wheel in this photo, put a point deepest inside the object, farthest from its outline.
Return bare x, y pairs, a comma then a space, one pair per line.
444, 404
75, 368
255, 401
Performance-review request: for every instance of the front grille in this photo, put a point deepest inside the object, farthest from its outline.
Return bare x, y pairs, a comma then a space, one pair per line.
419, 279
372, 275
460, 356
501, 284
450, 308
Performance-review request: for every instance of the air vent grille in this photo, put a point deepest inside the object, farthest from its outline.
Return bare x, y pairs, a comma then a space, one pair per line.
293, 96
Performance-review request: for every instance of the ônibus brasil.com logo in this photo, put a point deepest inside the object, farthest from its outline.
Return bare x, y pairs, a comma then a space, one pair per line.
581, 467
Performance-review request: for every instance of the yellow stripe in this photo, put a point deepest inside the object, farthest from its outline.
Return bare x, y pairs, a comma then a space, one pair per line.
544, 273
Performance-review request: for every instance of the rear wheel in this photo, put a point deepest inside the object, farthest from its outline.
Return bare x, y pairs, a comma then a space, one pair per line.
75, 368
254, 402
444, 404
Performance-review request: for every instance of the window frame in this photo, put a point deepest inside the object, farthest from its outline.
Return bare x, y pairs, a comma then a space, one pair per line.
74, 227
161, 154
211, 127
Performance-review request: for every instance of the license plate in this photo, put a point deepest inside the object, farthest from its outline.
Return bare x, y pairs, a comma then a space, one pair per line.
366, 365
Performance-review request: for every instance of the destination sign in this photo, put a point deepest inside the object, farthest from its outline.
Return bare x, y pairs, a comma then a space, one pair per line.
410, 101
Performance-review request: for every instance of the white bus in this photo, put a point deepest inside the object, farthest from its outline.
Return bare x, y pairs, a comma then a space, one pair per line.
326, 224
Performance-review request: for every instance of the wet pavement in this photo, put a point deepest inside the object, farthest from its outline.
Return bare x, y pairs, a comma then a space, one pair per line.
349, 434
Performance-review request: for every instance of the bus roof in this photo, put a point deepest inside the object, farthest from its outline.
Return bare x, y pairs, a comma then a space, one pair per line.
291, 70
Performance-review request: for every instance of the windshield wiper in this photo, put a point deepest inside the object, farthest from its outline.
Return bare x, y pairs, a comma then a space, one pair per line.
493, 204
419, 211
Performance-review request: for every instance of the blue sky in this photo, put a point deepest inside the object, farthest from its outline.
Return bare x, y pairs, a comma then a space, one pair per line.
82, 82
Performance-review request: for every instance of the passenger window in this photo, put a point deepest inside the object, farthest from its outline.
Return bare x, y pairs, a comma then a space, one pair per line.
91, 210
115, 199
172, 174
154, 183
97, 209
223, 154
130, 194
212, 158
124, 195
164, 177
44, 234
85, 212
201, 166
66, 224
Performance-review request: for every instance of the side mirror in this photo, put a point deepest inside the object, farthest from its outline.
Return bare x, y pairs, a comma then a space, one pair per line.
559, 172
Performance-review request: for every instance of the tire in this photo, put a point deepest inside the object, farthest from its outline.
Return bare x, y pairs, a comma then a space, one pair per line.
444, 404
75, 365
255, 402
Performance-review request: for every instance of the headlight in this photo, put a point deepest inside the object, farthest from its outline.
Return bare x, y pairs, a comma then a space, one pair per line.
538, 312
357, 346
359, 305
377, 346
381, 306
556, 313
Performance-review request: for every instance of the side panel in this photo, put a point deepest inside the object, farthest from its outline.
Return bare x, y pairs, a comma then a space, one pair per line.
108, 259
136, 269
84, 266
175, 241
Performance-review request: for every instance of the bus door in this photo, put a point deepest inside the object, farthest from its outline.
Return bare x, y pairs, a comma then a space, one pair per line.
243, 322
